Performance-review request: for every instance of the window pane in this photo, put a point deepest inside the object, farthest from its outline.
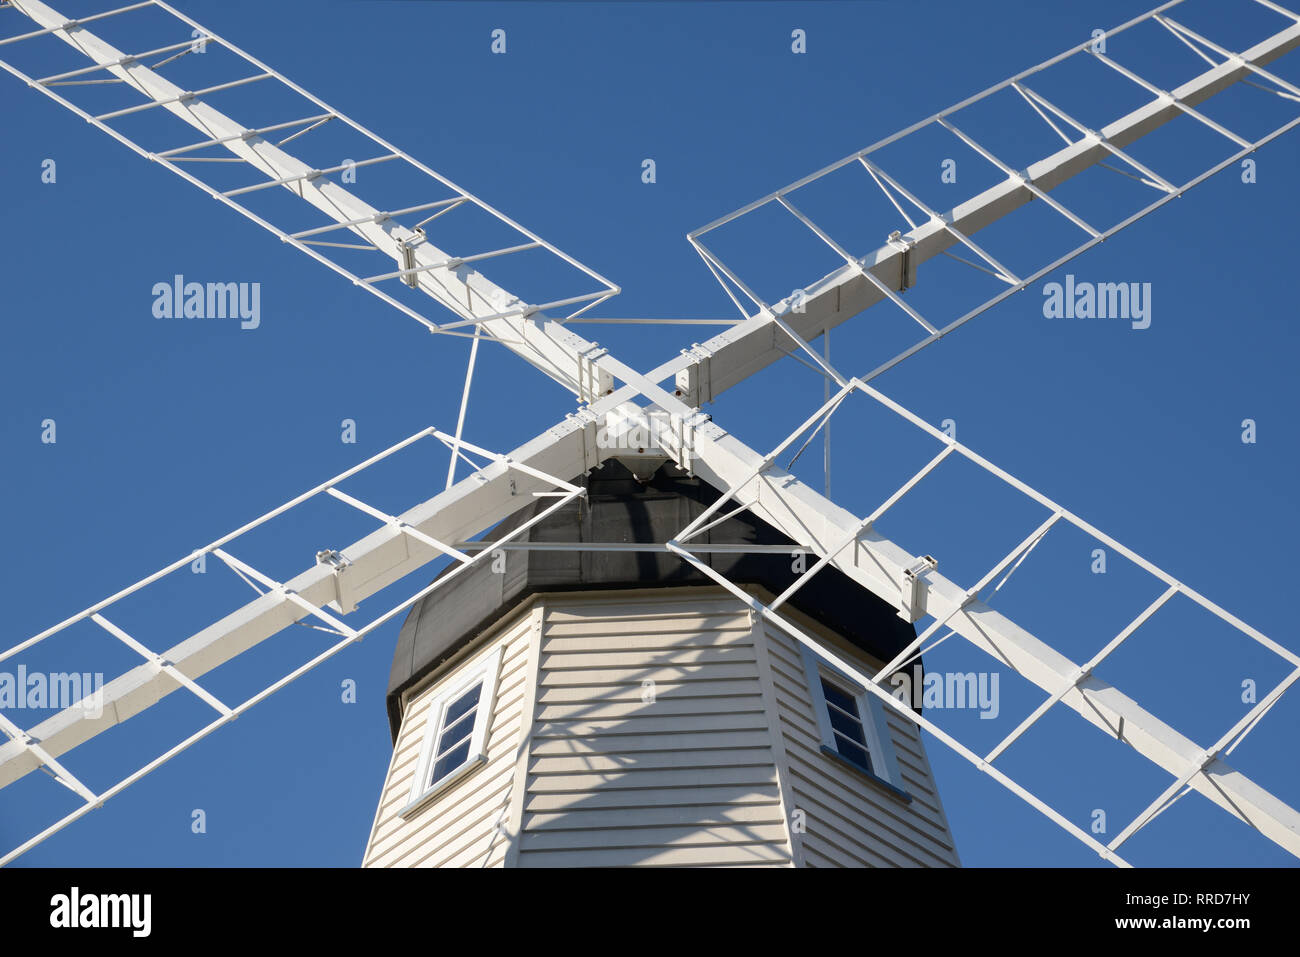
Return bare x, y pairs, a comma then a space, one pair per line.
450, 762
462, 704
457, 731
839, 698
855, 753
847, 726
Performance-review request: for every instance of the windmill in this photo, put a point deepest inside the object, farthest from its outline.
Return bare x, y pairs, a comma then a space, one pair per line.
609, 393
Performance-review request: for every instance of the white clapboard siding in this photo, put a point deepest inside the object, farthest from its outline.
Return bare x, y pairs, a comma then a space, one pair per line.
650, 743
849, 821
654, 728
459, 828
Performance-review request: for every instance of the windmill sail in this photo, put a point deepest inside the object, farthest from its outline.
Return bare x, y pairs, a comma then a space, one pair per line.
401, 244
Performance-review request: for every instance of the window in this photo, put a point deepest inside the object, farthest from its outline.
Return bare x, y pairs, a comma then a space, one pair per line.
451, 743
455, 737
848, 733
852, 723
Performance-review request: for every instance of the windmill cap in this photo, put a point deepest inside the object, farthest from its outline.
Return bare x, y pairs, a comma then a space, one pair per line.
620, 509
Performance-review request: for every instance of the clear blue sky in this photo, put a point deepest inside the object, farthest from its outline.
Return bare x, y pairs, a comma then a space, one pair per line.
172, 433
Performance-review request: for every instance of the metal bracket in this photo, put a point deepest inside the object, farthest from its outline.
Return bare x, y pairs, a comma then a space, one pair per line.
594, 383
694, 384
912, 598
343, 592
406, 258
589, 424
907, 265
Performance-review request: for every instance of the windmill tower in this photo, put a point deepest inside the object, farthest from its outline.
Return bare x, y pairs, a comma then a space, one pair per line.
636, 604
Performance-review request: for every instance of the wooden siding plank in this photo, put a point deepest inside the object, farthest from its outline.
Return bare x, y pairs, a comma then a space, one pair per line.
717, 856
653, 837
583, 779
640, 798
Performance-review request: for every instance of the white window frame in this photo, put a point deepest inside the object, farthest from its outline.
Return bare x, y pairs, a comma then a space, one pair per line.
485, 670
880, 743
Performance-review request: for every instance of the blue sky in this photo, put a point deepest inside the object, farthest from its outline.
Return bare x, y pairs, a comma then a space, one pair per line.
171, 433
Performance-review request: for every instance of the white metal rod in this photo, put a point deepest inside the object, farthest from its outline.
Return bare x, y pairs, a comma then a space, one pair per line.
1084, 671
452, 262
64, 776
1045, 118
1153, 89
1176, 28
866, 523
125, 61
397, 523
708, 262
1002, 271
303, 132
73, 24
1279, 9
162, 663
848, 258
655, 547
911, 223
464, 404
376, 218
451, 204
972, 593
246, 135
310, 174
704, 250
285, 591
1022, 180
528, 311
1114, 150
693, 528
1209, 755
105, 117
